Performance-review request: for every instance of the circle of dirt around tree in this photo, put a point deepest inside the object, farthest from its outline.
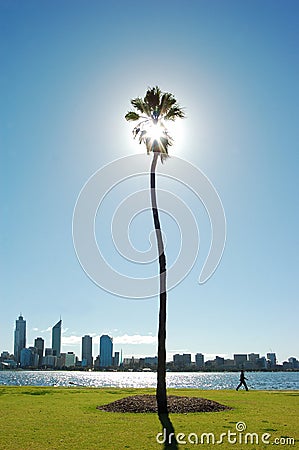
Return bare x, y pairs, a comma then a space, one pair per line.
176, 404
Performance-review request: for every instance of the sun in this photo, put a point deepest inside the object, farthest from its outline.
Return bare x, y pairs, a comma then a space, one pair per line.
155, 131
161, 129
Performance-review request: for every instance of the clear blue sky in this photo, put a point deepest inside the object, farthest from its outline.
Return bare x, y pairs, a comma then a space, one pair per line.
68, 71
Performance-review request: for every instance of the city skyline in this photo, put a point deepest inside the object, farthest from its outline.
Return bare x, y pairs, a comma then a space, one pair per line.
70, 72
90, 348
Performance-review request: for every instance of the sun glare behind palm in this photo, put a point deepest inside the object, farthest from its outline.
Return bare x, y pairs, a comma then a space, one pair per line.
155, 131
152, 113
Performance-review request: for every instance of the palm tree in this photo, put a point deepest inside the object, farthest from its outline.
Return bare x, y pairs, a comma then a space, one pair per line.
153, 111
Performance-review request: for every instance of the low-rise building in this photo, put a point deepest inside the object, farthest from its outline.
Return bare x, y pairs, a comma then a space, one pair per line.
199, 360
240, 360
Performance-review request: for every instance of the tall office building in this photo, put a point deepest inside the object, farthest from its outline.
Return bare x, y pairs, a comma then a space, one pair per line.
86, 351
39, 344
20, 338
115, 359
106, 350
271, 357
56, 338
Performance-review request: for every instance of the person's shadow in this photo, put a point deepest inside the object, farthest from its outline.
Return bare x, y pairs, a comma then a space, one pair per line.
170, 441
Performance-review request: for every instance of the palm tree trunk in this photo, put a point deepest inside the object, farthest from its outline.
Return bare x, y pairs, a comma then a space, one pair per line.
161, 372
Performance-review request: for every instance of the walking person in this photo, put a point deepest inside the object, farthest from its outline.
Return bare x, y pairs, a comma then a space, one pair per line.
242, 381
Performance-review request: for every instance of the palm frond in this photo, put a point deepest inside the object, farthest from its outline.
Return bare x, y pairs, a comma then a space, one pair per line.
136, 131
132, 115
148, 144
141, 106
138, 104
152, 98
164, 144
167, 102
174, 112
164, 157
142, 136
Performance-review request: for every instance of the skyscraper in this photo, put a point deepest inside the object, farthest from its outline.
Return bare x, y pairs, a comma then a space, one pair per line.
106, 350
115, 359
271, 357
56, 338
20, 338
86, 351
39, 344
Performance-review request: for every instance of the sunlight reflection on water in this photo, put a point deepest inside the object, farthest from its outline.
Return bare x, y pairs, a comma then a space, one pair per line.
199, 380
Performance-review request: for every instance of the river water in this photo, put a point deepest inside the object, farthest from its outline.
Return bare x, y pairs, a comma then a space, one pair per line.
198, 380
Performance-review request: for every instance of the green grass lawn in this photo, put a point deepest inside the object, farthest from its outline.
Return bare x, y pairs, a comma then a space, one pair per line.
67, 418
